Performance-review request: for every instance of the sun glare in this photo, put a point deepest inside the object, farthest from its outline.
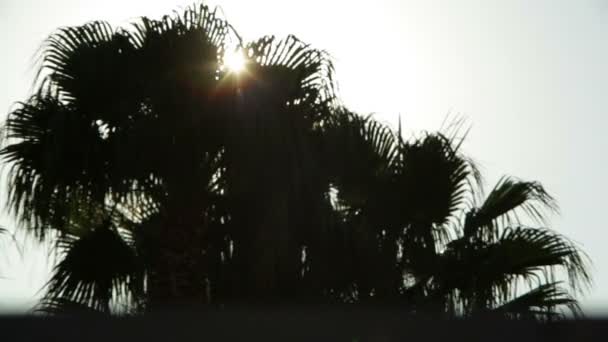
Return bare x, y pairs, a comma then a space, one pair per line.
234, 61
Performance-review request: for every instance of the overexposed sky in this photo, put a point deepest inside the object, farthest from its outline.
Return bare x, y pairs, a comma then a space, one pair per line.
530, 76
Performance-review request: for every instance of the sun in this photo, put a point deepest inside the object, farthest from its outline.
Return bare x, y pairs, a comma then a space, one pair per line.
234, 61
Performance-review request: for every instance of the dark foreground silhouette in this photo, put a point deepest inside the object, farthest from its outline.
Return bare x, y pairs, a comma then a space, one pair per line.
166, 179
336, 325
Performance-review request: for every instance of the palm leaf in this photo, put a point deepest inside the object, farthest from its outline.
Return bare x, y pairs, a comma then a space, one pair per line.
436, 178
484, 273
359, 153
298, 75
48, 171
63, 307
522, 250
542, 302
93, 269
504, 202
433, 183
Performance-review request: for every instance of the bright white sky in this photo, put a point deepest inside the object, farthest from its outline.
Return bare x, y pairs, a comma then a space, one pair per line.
530, 76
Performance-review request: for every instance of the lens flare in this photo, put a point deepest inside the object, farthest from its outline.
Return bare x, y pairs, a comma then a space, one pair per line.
234, 61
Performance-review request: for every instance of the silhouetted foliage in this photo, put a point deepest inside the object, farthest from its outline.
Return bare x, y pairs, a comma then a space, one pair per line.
165, 178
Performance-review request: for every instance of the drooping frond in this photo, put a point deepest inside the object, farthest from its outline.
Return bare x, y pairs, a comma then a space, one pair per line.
53, 160
484, 273
544, 302
65, 307
506, 201
93, 269
521, 251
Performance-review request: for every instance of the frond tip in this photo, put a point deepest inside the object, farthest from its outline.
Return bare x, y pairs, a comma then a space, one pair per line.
533, 248
544, 302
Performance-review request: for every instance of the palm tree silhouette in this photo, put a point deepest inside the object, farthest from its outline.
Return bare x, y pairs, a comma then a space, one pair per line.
165, 178
425, 236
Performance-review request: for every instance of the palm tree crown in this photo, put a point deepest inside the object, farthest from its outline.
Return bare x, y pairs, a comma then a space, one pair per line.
165, 178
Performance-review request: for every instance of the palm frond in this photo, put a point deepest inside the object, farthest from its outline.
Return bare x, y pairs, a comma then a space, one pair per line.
509, 199
194, 18
65, 307
93, 269
48, 170
482, 273
88, 65
297, 73
436, 181
359, 153
546, 302
525, 250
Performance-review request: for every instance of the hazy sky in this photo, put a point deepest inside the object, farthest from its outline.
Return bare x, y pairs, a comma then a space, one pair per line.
530, 76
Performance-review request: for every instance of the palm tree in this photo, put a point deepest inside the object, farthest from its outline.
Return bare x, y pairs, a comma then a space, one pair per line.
136, 145
165, 178
422, 237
